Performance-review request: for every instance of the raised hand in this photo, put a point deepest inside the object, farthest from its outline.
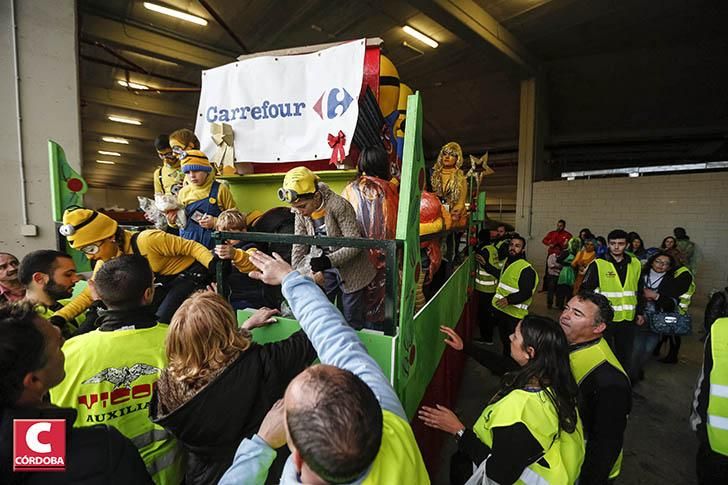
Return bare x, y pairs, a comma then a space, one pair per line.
440, 418
273, 269
452, 339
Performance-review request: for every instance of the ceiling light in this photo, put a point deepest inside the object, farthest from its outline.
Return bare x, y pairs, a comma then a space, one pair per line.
115, 139
636, 171
124, 119
110, 154
570, 178
420, 36
132, 85
175, 13
106, 162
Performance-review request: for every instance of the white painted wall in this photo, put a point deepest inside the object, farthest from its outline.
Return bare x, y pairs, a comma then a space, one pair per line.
652, 206
49, 102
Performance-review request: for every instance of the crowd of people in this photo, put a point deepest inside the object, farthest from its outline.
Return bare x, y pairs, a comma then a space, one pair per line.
157, 381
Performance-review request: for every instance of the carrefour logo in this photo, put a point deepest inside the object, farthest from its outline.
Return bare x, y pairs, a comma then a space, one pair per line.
330, 104
337, 98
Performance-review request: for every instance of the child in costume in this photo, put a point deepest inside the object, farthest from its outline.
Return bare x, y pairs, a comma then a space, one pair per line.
245, 292
204, 198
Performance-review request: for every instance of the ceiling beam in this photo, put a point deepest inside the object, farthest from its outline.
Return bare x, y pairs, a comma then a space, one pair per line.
147, 41
469, 21
142, 102
108, 128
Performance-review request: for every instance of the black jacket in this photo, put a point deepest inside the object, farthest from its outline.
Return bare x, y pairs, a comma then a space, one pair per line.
213, 422
670, 288
94, 455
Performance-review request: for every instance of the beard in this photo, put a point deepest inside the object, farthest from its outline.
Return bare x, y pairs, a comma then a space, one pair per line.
56, 291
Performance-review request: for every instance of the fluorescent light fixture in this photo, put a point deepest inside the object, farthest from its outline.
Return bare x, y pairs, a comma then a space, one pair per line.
124, 119
637, 171
132, 85
106, 162
109, 154
175, 13
115, 139
420, 36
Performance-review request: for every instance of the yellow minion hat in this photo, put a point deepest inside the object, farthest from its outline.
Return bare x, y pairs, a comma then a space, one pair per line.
85, 226
297, 182
195, 160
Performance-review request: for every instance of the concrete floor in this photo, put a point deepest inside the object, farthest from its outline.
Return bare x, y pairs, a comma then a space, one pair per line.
659, 446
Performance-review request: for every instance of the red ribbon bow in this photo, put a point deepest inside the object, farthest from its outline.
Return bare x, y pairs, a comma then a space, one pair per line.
337, 144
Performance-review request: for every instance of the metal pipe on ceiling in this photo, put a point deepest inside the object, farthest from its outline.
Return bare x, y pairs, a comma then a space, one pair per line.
97, 60
224, 26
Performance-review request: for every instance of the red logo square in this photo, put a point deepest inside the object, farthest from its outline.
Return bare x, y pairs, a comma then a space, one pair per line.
39, 445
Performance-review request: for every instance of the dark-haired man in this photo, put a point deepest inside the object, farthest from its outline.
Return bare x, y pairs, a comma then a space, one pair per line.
31, 362
48, 277
341, 419
110, 372
605, 395
168, 178
10, 287
514, 293
616, 276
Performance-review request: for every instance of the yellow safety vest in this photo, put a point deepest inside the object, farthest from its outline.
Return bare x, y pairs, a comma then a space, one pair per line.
501, 262
717, 422
508, 285
563, 452
686, 297
622, 298
484, 281
399, 459
109, 380
71, 325
583, 361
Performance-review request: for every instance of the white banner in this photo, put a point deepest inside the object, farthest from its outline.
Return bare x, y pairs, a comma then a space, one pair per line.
285, 109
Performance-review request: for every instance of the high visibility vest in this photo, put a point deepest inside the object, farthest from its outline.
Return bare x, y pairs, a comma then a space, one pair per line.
508, 285
71, 325
717, 423
498, 245
622, 298
563, 452
685, 298
109, 380
583, 361
399, 459
484, 281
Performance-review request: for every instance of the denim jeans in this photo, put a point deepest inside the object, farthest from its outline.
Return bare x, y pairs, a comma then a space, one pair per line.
645, 341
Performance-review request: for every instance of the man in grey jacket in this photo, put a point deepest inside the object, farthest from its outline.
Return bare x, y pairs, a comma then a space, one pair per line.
342, 272
341, 419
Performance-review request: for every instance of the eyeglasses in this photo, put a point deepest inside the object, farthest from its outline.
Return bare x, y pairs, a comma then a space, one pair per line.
91, 249
166, 155
179, 152
661, 262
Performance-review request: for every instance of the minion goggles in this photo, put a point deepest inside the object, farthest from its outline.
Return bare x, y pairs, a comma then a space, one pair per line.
290, 196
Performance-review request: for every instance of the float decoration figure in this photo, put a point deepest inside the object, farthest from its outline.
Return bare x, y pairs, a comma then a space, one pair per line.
450, 184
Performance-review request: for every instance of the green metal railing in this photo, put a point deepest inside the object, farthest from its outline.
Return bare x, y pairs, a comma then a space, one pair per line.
389, 246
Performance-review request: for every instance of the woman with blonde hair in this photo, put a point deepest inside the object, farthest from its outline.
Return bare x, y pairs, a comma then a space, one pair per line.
219, 384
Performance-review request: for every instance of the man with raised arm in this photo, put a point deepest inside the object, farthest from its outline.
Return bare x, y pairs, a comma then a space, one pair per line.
341, 419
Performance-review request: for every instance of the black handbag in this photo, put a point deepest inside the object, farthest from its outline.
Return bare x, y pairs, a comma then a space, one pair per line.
670, 323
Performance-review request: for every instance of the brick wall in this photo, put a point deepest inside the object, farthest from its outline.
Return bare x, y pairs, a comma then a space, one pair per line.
652, 206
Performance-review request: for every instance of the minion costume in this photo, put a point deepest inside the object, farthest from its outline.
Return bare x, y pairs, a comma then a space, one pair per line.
180, 266
168, 179
346, 271
210, 198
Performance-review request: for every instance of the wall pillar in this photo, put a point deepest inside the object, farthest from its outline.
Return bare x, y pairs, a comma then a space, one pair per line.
530, 152
49, 107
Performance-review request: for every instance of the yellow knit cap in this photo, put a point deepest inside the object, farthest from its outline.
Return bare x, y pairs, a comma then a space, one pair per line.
195, 160
85, 226
297, 182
